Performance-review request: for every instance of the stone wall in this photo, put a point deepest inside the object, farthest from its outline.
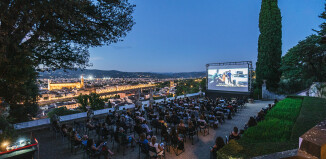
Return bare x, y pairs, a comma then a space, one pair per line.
270, 95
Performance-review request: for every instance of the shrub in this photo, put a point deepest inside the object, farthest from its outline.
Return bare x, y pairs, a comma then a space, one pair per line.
278, 122
287, 109
61, 111
269, 130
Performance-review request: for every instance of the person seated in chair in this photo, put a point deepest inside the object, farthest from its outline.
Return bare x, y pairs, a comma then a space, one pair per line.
56, 124
159, 147
252, 122
84, 140
142, 138
161, 120
90, 124
64, 129
176, 139
76, 136
191, 126
204, 124
175, 135
101, 148
219, 143
125, 138
181, 124
145, 126
104, 129
235, 134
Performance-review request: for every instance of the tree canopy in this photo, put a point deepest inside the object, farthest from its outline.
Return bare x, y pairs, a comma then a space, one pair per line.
93, 100
46, 35
303, 64
57, 33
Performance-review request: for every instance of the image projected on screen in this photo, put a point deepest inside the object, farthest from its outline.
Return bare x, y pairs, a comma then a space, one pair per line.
228, 79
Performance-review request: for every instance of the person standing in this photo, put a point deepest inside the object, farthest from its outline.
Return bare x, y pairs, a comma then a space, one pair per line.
229, 76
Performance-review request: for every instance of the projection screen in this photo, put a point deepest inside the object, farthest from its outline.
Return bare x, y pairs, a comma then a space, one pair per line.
228, 78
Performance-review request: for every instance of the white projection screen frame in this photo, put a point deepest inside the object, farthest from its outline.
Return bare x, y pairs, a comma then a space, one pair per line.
228, 77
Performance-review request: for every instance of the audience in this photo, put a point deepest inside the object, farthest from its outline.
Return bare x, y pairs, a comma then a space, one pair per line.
176, 118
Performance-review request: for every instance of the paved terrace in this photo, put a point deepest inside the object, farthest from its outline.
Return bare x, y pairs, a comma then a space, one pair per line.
51, 148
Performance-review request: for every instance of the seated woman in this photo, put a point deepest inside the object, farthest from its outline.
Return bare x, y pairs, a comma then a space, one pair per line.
219, 143
235, 134
159, 147
176, 139
203, 124
101, 148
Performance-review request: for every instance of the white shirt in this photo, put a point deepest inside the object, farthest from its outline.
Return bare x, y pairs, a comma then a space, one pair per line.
159, 152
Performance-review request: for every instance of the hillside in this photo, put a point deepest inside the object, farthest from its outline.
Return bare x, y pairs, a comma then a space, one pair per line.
117, 74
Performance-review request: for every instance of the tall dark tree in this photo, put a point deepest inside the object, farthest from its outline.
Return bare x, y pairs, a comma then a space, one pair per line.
53, 34
322, 32
269, 44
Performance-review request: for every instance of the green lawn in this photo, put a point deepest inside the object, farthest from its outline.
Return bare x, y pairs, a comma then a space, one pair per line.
280, 130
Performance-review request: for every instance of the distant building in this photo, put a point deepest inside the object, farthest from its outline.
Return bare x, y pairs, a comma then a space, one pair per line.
52, 86
171, 84
122, 95
69, 105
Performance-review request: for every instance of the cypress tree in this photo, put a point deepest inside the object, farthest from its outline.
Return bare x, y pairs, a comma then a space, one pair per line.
269, 44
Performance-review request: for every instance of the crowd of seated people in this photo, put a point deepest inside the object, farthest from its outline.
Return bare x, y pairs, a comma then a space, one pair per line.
84, 141
175, 120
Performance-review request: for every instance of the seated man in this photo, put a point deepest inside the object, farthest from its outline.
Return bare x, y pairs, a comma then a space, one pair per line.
101, 148
90, 124
145, 126
125, 139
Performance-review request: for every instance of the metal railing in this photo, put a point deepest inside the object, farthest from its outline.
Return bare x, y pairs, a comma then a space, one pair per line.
43, 122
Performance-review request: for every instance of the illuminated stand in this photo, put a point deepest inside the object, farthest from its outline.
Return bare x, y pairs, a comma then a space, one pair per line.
228, 92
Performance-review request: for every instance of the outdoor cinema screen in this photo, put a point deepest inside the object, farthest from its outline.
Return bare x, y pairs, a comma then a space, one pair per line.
228, 78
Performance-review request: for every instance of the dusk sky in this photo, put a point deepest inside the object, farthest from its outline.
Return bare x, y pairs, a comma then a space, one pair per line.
184, 35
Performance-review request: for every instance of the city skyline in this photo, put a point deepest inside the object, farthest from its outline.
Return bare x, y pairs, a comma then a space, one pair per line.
174, 36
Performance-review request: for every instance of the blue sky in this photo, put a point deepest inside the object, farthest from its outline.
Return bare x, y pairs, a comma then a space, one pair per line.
184, 35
